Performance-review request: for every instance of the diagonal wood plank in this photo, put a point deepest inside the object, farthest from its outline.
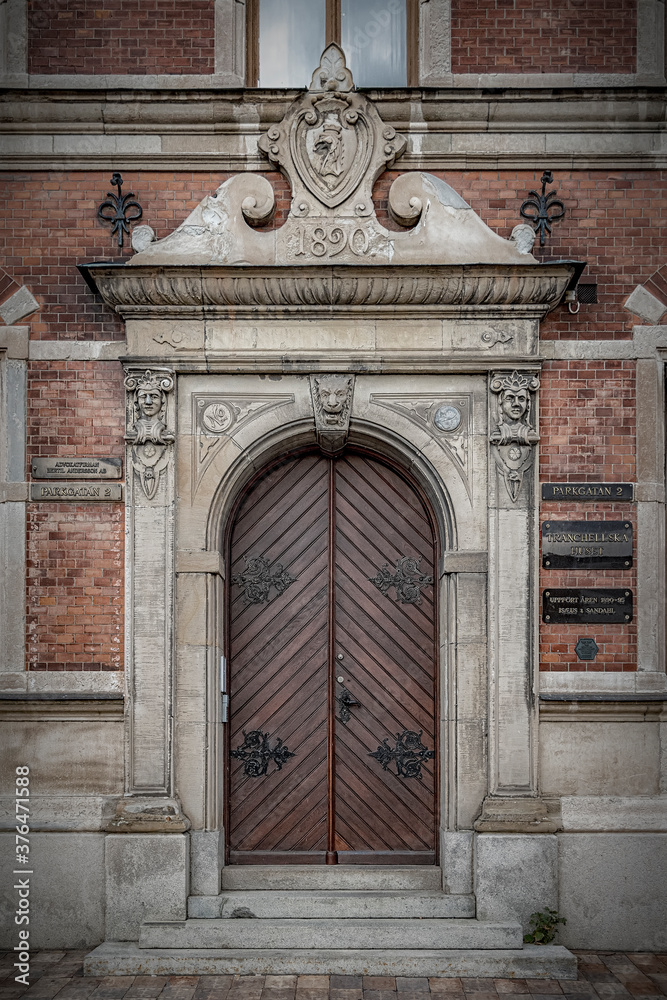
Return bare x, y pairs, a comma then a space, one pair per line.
389, 656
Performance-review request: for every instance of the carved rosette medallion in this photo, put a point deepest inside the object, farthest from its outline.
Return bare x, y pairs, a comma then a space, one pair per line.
446, 417
217, 418
514, 438
147, 433
332, 144
332, 402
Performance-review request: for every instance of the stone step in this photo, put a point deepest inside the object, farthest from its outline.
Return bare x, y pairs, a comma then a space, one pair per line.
287, 877
338, 903
530, 962
332, 934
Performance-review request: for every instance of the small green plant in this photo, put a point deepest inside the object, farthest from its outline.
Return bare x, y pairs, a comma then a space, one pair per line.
544, 926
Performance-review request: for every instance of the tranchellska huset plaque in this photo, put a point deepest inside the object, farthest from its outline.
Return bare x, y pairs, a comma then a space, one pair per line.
587, 606
586, 544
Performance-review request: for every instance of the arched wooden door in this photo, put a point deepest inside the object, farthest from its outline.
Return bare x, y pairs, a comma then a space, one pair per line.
332, 651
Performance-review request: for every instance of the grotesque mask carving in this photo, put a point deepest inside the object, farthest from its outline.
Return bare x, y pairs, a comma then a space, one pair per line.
333, 394
332, 401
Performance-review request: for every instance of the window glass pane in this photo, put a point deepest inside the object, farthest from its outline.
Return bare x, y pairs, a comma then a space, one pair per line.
291, 40
373, 37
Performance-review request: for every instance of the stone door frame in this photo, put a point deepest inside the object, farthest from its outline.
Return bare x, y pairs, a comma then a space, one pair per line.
176, 579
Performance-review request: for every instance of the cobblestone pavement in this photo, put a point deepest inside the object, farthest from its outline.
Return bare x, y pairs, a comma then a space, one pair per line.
602, 976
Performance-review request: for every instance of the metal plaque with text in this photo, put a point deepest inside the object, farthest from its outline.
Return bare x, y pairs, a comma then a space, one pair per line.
77, 468
586, 544
76, 492
588, 491
587, 606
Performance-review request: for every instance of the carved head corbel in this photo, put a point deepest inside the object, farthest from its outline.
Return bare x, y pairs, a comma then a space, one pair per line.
147, 431
332, 402
148, 405
513, 439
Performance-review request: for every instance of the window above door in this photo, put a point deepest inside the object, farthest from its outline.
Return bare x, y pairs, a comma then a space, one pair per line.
285, 39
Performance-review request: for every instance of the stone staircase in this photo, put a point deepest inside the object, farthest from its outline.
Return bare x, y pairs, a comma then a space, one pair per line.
347, 920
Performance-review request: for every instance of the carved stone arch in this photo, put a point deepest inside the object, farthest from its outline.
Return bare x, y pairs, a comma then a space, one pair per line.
384, 442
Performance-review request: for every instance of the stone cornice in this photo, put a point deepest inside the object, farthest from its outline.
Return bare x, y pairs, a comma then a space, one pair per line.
51, 127
147, 290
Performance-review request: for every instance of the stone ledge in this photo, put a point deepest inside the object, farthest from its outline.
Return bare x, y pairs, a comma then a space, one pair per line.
13, 492
60, 706
465, 562
60, 813
229, 81
515, 815
190, 561
614, 814
73, 682
598, 682
14, 341
148, 814
602, 708
531, 962
76, 350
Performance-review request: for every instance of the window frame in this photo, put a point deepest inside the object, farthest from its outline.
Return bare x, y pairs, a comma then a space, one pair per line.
332, 34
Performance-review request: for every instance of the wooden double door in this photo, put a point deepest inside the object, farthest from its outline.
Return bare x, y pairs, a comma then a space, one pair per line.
332, 754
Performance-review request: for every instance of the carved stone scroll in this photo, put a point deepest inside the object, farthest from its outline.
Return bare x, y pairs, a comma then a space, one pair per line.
332, 402
513, 439
147, 431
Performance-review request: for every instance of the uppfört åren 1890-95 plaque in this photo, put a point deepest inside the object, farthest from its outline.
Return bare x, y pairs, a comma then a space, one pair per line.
586, 606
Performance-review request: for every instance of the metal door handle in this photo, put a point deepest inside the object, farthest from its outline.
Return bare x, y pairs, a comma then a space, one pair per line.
346, 702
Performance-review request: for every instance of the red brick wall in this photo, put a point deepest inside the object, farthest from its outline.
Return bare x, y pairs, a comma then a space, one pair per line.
614, 221
561, 36
121, 36
587, 423
75, 551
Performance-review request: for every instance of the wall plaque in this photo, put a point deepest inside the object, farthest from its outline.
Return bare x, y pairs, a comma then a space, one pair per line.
76, 468
588, 491
586, 544
586, 605
76, 492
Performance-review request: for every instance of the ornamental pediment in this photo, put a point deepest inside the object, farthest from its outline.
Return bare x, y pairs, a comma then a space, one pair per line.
332, 252
332, 146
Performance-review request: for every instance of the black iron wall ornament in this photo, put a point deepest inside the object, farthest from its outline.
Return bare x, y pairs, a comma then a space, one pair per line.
256, 753
406, 578
117, 209
258, 578
546, 208
409, 754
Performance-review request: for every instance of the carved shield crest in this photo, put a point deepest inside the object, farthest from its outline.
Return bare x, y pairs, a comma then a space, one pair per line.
331, 145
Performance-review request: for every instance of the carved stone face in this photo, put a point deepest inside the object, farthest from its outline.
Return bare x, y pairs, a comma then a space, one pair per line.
514, 403
332, 399
149, 402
